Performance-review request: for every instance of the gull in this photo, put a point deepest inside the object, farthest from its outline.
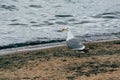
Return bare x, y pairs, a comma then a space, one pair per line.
72, 42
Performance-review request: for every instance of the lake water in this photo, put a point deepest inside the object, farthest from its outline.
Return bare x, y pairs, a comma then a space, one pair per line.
31, 22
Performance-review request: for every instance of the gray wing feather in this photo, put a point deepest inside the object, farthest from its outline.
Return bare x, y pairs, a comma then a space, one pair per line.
75, 44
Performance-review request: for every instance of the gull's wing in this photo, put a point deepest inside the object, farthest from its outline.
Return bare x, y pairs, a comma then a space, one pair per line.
75, 44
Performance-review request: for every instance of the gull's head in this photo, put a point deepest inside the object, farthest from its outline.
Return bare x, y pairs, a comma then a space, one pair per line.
65, 28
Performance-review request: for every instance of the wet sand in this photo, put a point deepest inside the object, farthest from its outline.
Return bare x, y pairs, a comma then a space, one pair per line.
100, 61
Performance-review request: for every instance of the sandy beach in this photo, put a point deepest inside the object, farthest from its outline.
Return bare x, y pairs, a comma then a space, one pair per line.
100, 61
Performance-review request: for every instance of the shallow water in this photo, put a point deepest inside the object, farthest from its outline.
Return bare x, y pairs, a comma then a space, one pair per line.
31, 22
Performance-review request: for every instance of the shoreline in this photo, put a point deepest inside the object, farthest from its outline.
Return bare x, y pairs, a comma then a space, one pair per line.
39, 47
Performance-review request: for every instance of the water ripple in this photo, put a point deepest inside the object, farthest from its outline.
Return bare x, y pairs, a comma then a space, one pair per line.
8, 7
35, 6
109, 15
18, 24
63, 15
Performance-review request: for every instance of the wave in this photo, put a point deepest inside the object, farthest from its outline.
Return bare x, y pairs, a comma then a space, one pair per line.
108, 15
29, 43
98, 37
63, 15
8, 7
35, 6
18, 24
